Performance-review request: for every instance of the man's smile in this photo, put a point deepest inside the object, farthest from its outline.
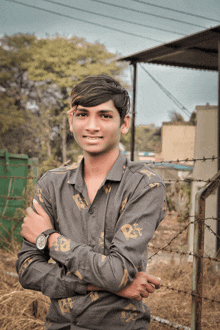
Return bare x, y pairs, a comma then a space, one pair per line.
92, 137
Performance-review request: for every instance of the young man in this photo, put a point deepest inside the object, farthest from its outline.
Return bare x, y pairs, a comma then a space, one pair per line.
95, 220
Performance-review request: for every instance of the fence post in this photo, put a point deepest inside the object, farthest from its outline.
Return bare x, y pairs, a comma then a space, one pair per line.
198, 250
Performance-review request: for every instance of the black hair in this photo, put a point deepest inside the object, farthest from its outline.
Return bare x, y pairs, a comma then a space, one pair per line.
95, 90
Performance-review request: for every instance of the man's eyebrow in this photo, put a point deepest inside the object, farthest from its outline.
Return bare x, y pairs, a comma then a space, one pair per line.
81, 109
100, 111
104, 111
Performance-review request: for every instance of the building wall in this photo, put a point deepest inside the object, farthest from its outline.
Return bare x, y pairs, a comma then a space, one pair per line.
178, 140
205, 146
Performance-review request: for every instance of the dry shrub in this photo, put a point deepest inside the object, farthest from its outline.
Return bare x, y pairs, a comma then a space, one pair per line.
19, 308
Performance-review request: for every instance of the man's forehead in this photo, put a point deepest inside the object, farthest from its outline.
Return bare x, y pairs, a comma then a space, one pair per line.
106, 106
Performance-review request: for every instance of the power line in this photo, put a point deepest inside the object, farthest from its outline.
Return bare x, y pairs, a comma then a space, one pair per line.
177, 11
114, 18
82, 20
173, 98
146, 13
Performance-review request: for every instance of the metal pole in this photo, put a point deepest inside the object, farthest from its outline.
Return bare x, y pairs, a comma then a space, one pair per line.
198, 250
133, 111
218, 131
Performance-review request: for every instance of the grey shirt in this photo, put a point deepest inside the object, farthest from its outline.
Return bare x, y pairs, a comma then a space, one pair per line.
103, 243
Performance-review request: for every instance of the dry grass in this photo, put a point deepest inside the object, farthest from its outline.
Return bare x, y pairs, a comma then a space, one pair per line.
19, 308
176, 272
26, 310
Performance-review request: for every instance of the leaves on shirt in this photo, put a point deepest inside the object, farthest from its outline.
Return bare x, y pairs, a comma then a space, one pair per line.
80, 202
124, 279
61, 244
129, 314
66, 305
132, 231
148, 173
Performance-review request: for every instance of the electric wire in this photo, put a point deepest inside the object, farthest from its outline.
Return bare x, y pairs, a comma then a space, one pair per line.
177, 11
82, 20
173, 98
149, 14
114, 18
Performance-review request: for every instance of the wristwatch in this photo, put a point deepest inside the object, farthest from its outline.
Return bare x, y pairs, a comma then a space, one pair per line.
42, 239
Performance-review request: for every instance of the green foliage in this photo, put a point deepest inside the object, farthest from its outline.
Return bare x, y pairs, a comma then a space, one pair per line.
175, 116
193, 118
65, 61
145, 139
10, 115
178, 199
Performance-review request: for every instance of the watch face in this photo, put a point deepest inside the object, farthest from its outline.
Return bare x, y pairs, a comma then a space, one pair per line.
41, 242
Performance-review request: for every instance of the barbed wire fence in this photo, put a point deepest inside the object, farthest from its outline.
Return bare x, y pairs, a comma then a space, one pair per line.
167, 247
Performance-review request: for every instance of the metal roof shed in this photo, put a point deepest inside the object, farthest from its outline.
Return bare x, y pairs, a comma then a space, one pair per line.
197, 51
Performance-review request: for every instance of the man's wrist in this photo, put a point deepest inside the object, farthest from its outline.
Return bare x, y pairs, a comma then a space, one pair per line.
52, 238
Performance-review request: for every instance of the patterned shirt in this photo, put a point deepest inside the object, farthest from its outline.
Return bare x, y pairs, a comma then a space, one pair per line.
103, 243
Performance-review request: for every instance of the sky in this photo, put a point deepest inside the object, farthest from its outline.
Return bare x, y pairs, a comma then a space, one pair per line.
154, 22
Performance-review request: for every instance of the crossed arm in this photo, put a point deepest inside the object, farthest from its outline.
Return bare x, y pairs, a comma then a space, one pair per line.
35, 223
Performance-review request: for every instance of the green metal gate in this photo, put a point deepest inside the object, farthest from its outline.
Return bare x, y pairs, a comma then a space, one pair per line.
17, 172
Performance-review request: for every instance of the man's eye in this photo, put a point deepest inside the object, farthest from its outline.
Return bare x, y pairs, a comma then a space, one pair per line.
106, 116
80, 114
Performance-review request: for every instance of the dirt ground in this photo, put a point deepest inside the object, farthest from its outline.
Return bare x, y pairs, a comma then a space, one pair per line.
26, 310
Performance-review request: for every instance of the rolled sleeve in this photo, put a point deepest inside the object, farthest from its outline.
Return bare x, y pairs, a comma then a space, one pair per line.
36, 273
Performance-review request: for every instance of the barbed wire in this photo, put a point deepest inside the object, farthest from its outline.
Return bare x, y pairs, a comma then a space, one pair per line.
175, 161
186, 160
190, 293
169, 323
190, 216
211, 230
182, 253
190, 180
161, 249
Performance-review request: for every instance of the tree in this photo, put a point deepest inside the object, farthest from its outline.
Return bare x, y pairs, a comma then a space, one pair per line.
15, 88
175, 116
39, 75
145, 138
193, 118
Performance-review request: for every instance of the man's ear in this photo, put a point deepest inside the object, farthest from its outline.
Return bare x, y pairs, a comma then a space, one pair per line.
126, 124
71, 121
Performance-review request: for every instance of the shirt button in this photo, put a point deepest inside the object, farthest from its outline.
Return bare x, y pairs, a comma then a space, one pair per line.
91, 210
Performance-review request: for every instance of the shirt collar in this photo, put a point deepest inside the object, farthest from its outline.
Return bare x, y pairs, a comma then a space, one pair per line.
115, 173
117, 170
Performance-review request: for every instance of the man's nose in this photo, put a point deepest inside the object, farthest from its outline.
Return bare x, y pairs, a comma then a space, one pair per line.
92, 124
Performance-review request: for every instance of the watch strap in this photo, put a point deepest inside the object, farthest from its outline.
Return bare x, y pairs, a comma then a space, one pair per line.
48, 232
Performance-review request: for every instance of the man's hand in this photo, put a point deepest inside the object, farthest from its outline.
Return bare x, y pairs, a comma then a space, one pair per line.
35, 223
142, 285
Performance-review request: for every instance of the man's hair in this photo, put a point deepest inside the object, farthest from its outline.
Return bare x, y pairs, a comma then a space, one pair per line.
95, 90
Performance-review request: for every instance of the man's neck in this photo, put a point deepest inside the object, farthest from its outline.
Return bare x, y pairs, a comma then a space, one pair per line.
98, 166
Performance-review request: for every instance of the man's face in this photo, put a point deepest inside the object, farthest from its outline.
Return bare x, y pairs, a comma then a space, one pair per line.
97, 129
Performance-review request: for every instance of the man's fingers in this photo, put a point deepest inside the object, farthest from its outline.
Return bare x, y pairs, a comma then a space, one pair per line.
40, 209
29, 210
153, 280
144, 294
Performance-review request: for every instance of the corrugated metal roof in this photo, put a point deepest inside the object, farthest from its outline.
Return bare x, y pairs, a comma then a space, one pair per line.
197, 51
